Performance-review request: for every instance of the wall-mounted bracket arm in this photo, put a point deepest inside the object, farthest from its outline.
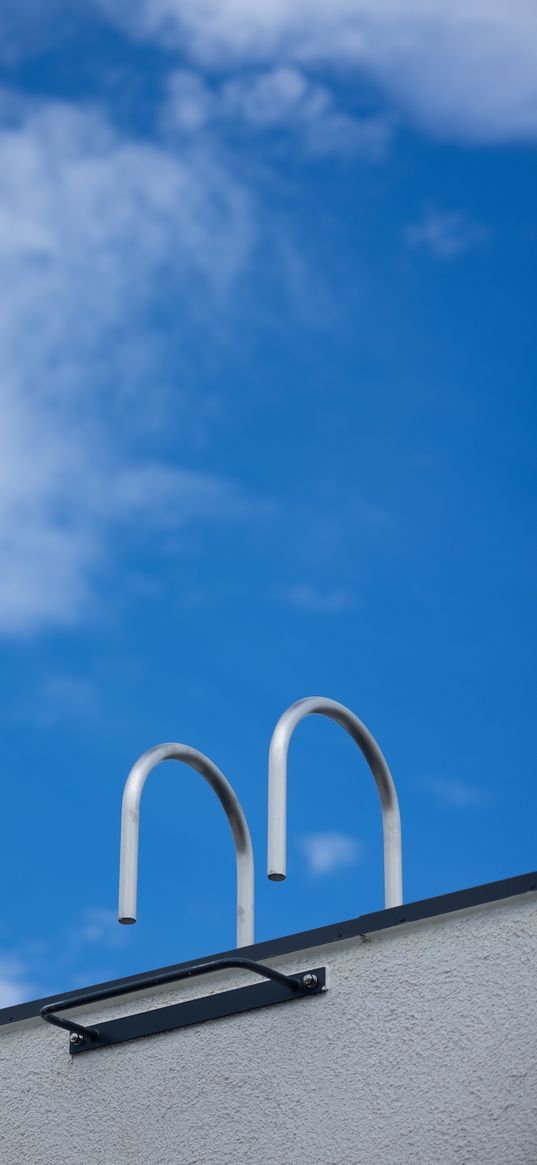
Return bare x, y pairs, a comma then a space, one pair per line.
277, 988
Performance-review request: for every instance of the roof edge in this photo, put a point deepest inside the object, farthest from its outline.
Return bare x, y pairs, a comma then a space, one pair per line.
320, 936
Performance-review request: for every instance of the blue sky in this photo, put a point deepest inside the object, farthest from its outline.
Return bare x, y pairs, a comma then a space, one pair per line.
267, 377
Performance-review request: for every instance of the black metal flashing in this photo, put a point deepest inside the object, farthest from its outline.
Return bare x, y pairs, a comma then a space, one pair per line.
305, 940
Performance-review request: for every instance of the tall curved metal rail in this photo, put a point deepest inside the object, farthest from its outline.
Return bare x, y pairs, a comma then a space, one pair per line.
130, 824
277, 811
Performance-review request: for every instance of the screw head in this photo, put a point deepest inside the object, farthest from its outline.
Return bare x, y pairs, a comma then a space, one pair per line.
309, 979
76, 1038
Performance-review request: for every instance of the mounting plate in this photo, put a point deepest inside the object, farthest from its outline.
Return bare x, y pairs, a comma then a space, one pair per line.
177, 1015
275, 988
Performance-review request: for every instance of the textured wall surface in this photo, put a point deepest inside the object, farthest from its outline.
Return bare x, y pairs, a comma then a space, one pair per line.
423, 1050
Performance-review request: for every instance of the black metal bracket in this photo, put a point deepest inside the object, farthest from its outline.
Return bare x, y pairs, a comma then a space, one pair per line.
277, 988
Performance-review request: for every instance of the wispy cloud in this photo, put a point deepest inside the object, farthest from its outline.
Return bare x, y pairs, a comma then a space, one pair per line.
314, 601
456, 794
89, 941
15, 983
467, 70
446, 234
57, 698
96, 230
30, 26
98, 926
325, 853
277, 101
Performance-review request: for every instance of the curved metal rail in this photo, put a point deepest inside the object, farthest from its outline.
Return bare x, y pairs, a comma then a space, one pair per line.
130, 821
278, 989
277, 812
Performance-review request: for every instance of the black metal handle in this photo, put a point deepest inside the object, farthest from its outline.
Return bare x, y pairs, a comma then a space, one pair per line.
295, 985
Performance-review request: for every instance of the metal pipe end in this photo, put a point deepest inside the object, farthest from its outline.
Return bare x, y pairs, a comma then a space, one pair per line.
275, 877
126, 920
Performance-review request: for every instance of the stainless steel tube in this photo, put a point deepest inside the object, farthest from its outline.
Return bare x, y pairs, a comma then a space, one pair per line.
277, 811
130, 822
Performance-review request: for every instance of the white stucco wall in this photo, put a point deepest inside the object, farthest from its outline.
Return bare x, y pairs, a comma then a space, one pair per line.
423, 1050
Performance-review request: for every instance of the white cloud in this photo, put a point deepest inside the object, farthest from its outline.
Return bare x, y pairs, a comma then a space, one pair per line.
314, 601
467, 69
272, 100
96, 933
14, 983
12, 991
99, 927
456, 794
327, 852
59, 698
29, 26
445, 234
96, 230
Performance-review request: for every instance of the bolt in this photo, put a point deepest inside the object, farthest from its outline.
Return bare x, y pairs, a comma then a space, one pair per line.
309, 979
76, 1038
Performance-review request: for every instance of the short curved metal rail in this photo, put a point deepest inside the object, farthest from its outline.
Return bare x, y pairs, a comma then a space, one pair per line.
130, 822
84, 1039
277, 811
48, 1013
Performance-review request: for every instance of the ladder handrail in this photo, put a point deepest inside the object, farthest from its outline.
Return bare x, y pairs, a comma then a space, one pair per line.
130, 820
277, 812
